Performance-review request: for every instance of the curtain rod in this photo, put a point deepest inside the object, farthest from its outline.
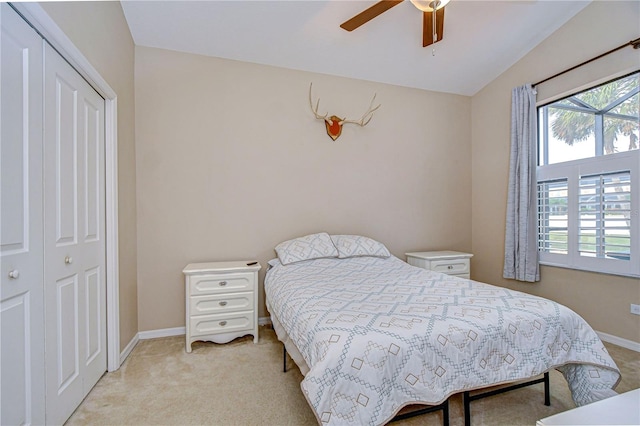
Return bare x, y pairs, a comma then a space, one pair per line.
635, 43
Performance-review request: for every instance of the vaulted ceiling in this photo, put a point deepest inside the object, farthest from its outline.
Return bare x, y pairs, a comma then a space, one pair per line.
481, 38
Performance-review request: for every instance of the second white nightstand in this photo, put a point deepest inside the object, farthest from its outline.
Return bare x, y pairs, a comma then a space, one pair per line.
448, 262
221, 301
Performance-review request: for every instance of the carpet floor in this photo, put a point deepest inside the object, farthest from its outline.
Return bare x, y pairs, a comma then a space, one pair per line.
242, 383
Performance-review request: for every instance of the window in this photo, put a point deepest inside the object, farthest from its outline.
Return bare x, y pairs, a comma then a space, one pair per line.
588, 179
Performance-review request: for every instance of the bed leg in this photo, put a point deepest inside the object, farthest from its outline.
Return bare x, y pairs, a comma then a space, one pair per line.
547, 392
284, 359
466, 400
445, 413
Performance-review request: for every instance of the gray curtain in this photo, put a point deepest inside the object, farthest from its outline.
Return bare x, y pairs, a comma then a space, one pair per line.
521, 237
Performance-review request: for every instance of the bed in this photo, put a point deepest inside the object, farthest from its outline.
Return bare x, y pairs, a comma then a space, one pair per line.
373, 334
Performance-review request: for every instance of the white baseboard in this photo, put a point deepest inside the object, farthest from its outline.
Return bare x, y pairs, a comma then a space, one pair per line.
163, 332
625, 343
178, 331
264, 321
127, 349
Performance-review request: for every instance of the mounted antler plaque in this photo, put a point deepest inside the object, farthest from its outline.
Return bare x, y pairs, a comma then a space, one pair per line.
334, 123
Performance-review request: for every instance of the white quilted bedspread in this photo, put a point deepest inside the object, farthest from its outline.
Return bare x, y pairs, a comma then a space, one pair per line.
379, 334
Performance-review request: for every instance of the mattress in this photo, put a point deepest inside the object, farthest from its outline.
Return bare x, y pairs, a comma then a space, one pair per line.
377, 334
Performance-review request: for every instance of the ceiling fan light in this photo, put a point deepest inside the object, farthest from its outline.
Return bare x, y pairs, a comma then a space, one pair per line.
429, 5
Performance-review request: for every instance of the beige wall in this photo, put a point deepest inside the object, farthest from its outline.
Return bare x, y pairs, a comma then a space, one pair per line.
100, 31
230, 162
603, 300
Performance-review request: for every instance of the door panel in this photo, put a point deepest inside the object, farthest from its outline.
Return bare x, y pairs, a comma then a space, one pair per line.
75, 291
67, 335
65, 139
94, 322
16, 359
92, 173
21, 247
93, 243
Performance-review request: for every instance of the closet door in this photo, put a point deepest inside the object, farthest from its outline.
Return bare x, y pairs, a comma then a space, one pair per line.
74, 238
21, 280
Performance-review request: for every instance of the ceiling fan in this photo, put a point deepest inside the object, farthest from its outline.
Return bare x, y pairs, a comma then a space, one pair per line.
432, 20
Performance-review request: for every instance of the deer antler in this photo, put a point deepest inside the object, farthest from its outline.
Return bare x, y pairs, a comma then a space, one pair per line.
315, 111
334, 123
366, 117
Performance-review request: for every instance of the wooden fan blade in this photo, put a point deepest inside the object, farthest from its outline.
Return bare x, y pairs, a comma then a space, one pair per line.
427, 27
368, 14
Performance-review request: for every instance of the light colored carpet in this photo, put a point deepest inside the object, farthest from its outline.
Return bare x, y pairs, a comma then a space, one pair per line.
242, 383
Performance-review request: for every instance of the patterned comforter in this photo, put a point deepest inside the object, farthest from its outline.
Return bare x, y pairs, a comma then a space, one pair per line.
378, 334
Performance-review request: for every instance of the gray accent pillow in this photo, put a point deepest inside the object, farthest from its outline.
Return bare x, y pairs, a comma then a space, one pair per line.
356, 245
313, 246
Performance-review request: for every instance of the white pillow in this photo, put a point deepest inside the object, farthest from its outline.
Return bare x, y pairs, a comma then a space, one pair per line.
356, 245
314, 246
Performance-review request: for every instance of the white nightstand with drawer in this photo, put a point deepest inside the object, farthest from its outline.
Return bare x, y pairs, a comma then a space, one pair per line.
448, 262
221, 301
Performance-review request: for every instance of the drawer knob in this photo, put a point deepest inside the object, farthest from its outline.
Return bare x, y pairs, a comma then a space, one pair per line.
450, 267
222, 283
223, 303
14, 274
222, 323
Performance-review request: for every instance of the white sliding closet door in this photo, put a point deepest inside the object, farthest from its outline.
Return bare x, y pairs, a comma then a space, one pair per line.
21, 296
74, 237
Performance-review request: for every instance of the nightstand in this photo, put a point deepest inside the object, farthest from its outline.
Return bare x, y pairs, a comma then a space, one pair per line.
221, 301
617, 410
448, 262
